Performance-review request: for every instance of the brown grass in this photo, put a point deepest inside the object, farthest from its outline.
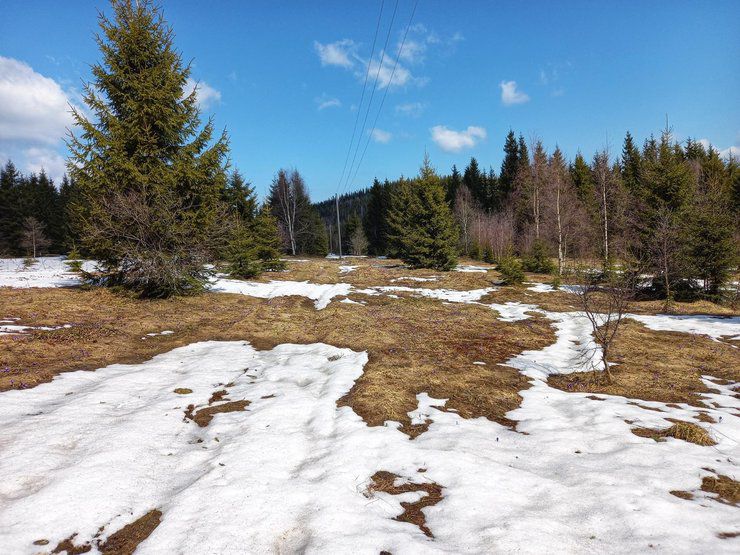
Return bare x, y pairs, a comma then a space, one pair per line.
414, 345
70, 548
412, 513
726, 489
685, 431
658, 366
126, 540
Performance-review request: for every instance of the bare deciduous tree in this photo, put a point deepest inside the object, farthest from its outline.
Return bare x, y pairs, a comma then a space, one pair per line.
290, 202
33, 237
358, 242
465, 214
604, 304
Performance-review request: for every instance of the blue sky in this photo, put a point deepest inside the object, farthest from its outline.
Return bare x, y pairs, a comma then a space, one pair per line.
285, 78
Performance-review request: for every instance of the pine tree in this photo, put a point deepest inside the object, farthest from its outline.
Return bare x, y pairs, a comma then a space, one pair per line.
10, 215
239, 197
352, 224
630, 164
315, 241
375, 223
509, 167
582, 179
421, 225
475, 181
150, 182
452, 184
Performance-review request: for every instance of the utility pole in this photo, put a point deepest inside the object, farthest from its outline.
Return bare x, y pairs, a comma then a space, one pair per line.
339, 227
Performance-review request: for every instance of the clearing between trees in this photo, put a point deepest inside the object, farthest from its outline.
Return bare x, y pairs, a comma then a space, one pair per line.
358, 404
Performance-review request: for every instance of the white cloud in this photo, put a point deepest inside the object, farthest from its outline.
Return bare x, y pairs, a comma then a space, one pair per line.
32, 107
450, 140
510, 95
325, 101
337, 53
412, 52
207, 96
387, 77
731, 151
46, 159
380, 136
412, 109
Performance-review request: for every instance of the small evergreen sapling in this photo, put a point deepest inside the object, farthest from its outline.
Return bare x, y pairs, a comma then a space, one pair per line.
511, 270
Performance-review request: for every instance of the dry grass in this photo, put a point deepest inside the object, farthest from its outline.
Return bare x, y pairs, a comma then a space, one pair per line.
414, 345
412, 513
685, 431
725, 488
658, 366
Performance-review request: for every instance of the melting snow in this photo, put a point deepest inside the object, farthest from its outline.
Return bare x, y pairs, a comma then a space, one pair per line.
291, 472
347, 269
470, 268
320, 293
47, 271
715, 327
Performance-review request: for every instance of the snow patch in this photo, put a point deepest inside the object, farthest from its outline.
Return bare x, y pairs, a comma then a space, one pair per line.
320, 293
47, 271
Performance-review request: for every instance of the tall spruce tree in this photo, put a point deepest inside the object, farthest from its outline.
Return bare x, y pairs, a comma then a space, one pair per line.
630, 164
509, 167
375, 222
422, 228
150, 182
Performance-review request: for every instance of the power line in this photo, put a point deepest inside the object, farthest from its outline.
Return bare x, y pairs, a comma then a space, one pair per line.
385, 93
362, 97
372, 93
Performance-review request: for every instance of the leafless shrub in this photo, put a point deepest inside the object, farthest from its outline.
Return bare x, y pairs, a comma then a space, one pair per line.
604, 303
33, 238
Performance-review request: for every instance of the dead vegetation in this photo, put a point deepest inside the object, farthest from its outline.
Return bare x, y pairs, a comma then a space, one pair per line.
414, 345
412, 512
126, 540
685, 431
725, 489
658, 366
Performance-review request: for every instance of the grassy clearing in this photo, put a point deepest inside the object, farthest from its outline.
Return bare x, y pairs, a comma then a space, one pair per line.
658, 366
685, 431
414, 345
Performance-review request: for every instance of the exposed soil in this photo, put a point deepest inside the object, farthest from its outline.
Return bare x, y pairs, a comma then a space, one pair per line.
126, 540
412, 513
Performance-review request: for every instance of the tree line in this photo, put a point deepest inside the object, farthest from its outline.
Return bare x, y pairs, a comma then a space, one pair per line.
151, 195
667, 209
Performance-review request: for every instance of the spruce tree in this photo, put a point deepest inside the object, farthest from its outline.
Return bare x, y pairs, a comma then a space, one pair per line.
421, 224
239, 197
509, 167
375, 219
150, 182
630, 165
475, 181
582, 179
